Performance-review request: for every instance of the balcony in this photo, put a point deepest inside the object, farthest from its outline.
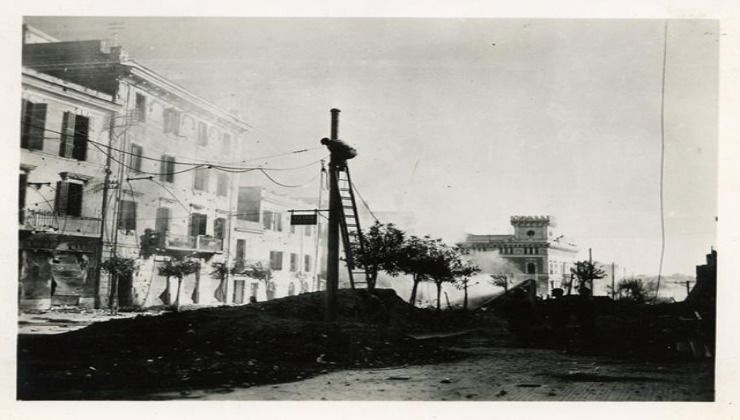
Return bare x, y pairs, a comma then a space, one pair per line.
62, 225
200, 243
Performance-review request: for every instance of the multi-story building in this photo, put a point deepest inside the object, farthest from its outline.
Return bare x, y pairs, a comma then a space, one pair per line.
65, 131
168, 197
262, 233
532, 251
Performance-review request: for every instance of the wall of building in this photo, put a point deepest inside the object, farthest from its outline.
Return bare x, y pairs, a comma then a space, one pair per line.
173, 188
58, 253
266, 236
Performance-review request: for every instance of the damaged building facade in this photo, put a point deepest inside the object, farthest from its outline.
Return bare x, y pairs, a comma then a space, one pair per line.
165, 200
533, 251
65, 129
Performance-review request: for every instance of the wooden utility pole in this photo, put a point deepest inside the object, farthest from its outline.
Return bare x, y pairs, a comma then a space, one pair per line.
320, 205
104, 209
332, 258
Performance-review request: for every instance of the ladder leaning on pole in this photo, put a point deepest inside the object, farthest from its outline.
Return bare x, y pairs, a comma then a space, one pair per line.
349, 223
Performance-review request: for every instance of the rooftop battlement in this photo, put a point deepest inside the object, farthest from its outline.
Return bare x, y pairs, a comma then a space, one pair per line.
530, 220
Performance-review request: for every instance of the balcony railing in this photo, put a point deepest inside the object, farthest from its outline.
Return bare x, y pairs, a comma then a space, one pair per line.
209, 243
193, 243
60, 224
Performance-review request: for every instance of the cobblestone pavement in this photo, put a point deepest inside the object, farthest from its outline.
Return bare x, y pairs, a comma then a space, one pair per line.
495, 374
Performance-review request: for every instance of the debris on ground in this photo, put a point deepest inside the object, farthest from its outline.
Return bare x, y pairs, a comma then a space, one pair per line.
268, 342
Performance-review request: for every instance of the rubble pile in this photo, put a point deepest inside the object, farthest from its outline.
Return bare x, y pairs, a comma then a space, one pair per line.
269, 342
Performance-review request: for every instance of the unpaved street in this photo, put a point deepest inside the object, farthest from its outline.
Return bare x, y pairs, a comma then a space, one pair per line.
493, 374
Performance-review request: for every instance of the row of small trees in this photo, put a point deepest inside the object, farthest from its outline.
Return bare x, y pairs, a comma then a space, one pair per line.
387, 248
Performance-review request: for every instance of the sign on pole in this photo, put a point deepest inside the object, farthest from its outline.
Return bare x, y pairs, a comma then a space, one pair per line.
303, 219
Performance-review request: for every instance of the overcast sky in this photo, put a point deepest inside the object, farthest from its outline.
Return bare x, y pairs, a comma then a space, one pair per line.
467, 122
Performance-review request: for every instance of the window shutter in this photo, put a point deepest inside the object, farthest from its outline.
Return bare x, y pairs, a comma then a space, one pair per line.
162, 221
175, 116
241, 245
164, 169
82, 125
74, 199
218, 228
60, 200
136, 152
25, 122
66, 145
37, 126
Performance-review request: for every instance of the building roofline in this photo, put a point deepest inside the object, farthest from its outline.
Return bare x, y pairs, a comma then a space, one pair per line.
139, 70
45, 81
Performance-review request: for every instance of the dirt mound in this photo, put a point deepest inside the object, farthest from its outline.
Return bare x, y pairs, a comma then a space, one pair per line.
268, 342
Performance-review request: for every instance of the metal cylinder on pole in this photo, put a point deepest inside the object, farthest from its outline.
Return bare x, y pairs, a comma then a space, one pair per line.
332, 258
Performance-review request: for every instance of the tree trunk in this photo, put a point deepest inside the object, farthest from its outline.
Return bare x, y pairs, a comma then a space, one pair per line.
412, 300
570, 285
465, 298
372, 277
196, 290
177, 297
113, 304
439, 296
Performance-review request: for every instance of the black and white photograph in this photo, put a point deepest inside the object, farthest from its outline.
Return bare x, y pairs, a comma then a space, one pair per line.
358, 208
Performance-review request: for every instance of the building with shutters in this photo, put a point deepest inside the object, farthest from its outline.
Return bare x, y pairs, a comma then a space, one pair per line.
166, 199
64, 136
262, 233
531, 252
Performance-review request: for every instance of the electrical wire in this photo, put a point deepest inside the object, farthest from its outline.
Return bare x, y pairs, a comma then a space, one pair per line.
286, 185
225, 165
364, 203
171, 193
662, 160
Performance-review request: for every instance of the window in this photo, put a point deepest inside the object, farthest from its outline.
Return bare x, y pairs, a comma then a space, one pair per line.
171, 118
530, 233
291, 289
241, 246
276, 260
278, 222
162, 220
307, 230
226, 144
167, 169
219, 227
200, 179
247, 207
239, 291
222, 188
292, 228
531, 268
127, 215
307, 263
135, 161
140, 114
293, 262
68, 200
33, 125
22, 185
74, 136
198, 224
267, 219
202, 134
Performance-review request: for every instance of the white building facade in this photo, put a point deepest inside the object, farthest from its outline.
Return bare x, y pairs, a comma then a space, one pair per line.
262, 233
532, 251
